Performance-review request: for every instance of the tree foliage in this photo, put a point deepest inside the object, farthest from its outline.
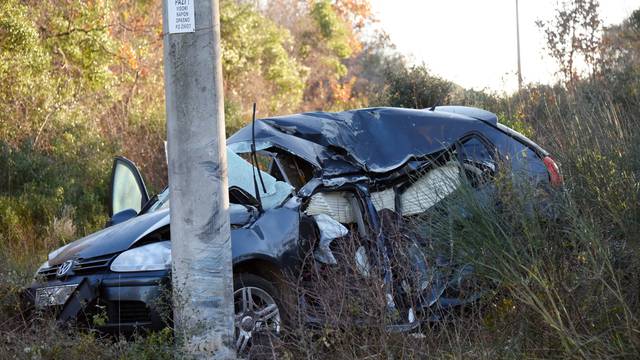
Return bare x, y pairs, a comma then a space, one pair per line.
55, 75
620, 59
82, 81
573, 35
414, 87
257, 60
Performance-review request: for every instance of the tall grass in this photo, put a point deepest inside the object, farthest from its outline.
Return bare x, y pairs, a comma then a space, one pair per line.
561, 266
571, 280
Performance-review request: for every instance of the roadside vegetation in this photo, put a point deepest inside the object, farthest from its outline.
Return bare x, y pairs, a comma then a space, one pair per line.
82, 81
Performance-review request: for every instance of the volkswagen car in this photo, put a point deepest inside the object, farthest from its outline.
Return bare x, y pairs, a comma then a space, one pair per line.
324, 176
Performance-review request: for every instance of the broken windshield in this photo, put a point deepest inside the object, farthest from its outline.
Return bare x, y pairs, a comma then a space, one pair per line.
240, 174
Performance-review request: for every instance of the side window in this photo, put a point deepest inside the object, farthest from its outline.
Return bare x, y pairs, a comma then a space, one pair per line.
295, 171
524, 164
476, 150
284, 167
478, 158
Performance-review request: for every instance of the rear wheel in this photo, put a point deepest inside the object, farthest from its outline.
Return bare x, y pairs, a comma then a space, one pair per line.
257, 313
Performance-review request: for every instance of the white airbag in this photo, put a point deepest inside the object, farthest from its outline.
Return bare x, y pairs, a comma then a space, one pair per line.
424, 193
430, 189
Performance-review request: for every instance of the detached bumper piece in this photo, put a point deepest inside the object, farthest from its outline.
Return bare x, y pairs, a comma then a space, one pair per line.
54, 295
84, 294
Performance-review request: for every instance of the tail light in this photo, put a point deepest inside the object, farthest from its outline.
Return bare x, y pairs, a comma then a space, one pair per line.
554, 171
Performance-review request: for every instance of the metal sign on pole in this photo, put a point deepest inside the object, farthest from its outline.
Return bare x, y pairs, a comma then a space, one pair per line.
202, 277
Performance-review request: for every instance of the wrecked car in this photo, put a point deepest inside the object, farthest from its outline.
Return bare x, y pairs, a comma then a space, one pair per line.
323, 176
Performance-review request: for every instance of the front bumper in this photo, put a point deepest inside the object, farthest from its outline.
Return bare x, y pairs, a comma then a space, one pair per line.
112, 302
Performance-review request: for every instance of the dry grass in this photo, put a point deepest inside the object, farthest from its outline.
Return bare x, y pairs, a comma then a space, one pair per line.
561, 288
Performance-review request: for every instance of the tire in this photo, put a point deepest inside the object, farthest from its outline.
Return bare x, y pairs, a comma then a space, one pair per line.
258, 316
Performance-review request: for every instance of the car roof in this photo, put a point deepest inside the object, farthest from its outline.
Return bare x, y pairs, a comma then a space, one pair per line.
374, 140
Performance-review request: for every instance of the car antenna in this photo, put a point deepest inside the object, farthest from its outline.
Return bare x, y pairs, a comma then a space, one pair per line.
433, 108
254, 161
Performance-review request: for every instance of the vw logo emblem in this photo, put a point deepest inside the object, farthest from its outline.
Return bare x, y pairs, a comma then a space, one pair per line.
65, 268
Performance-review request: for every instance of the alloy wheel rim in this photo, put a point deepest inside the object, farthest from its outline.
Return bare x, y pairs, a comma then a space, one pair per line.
255, 312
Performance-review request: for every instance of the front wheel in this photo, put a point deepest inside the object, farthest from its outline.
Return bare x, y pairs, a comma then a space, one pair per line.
257, 311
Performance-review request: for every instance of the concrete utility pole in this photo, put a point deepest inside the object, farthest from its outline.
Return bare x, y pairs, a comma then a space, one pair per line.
518, 35
200, 235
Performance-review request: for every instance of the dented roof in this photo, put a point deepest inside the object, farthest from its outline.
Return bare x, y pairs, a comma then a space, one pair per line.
373, 140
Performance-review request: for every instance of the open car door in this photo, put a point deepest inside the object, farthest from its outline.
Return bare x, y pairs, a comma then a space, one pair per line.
128, 191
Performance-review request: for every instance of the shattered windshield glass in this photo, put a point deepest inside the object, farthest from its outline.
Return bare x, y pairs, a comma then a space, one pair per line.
240, 174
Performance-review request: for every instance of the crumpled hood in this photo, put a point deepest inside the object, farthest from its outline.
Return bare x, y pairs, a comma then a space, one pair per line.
121, 237
111, 240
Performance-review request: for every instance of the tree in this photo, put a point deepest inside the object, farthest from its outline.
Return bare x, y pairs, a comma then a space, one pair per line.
377, 59
258, 63
414, 87
620, 60
327, 36
573, 35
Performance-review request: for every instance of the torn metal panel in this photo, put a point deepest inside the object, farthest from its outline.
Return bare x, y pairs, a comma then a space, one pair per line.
342, 180
381, 241
265, 134
330, 230
274, 235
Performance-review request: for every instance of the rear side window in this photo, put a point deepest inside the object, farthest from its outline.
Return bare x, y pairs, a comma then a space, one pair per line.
524, 162
478, 157
477, 150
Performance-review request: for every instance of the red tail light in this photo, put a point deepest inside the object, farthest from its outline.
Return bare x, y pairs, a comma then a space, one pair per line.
554, 171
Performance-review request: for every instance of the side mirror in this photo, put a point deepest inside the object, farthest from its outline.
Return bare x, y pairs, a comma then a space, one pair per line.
128, 190
121, 216
238, 195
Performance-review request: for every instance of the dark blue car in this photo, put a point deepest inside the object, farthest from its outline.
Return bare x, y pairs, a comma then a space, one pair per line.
324, 174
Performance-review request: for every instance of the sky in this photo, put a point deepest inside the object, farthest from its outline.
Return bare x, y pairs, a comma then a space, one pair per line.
473, 42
